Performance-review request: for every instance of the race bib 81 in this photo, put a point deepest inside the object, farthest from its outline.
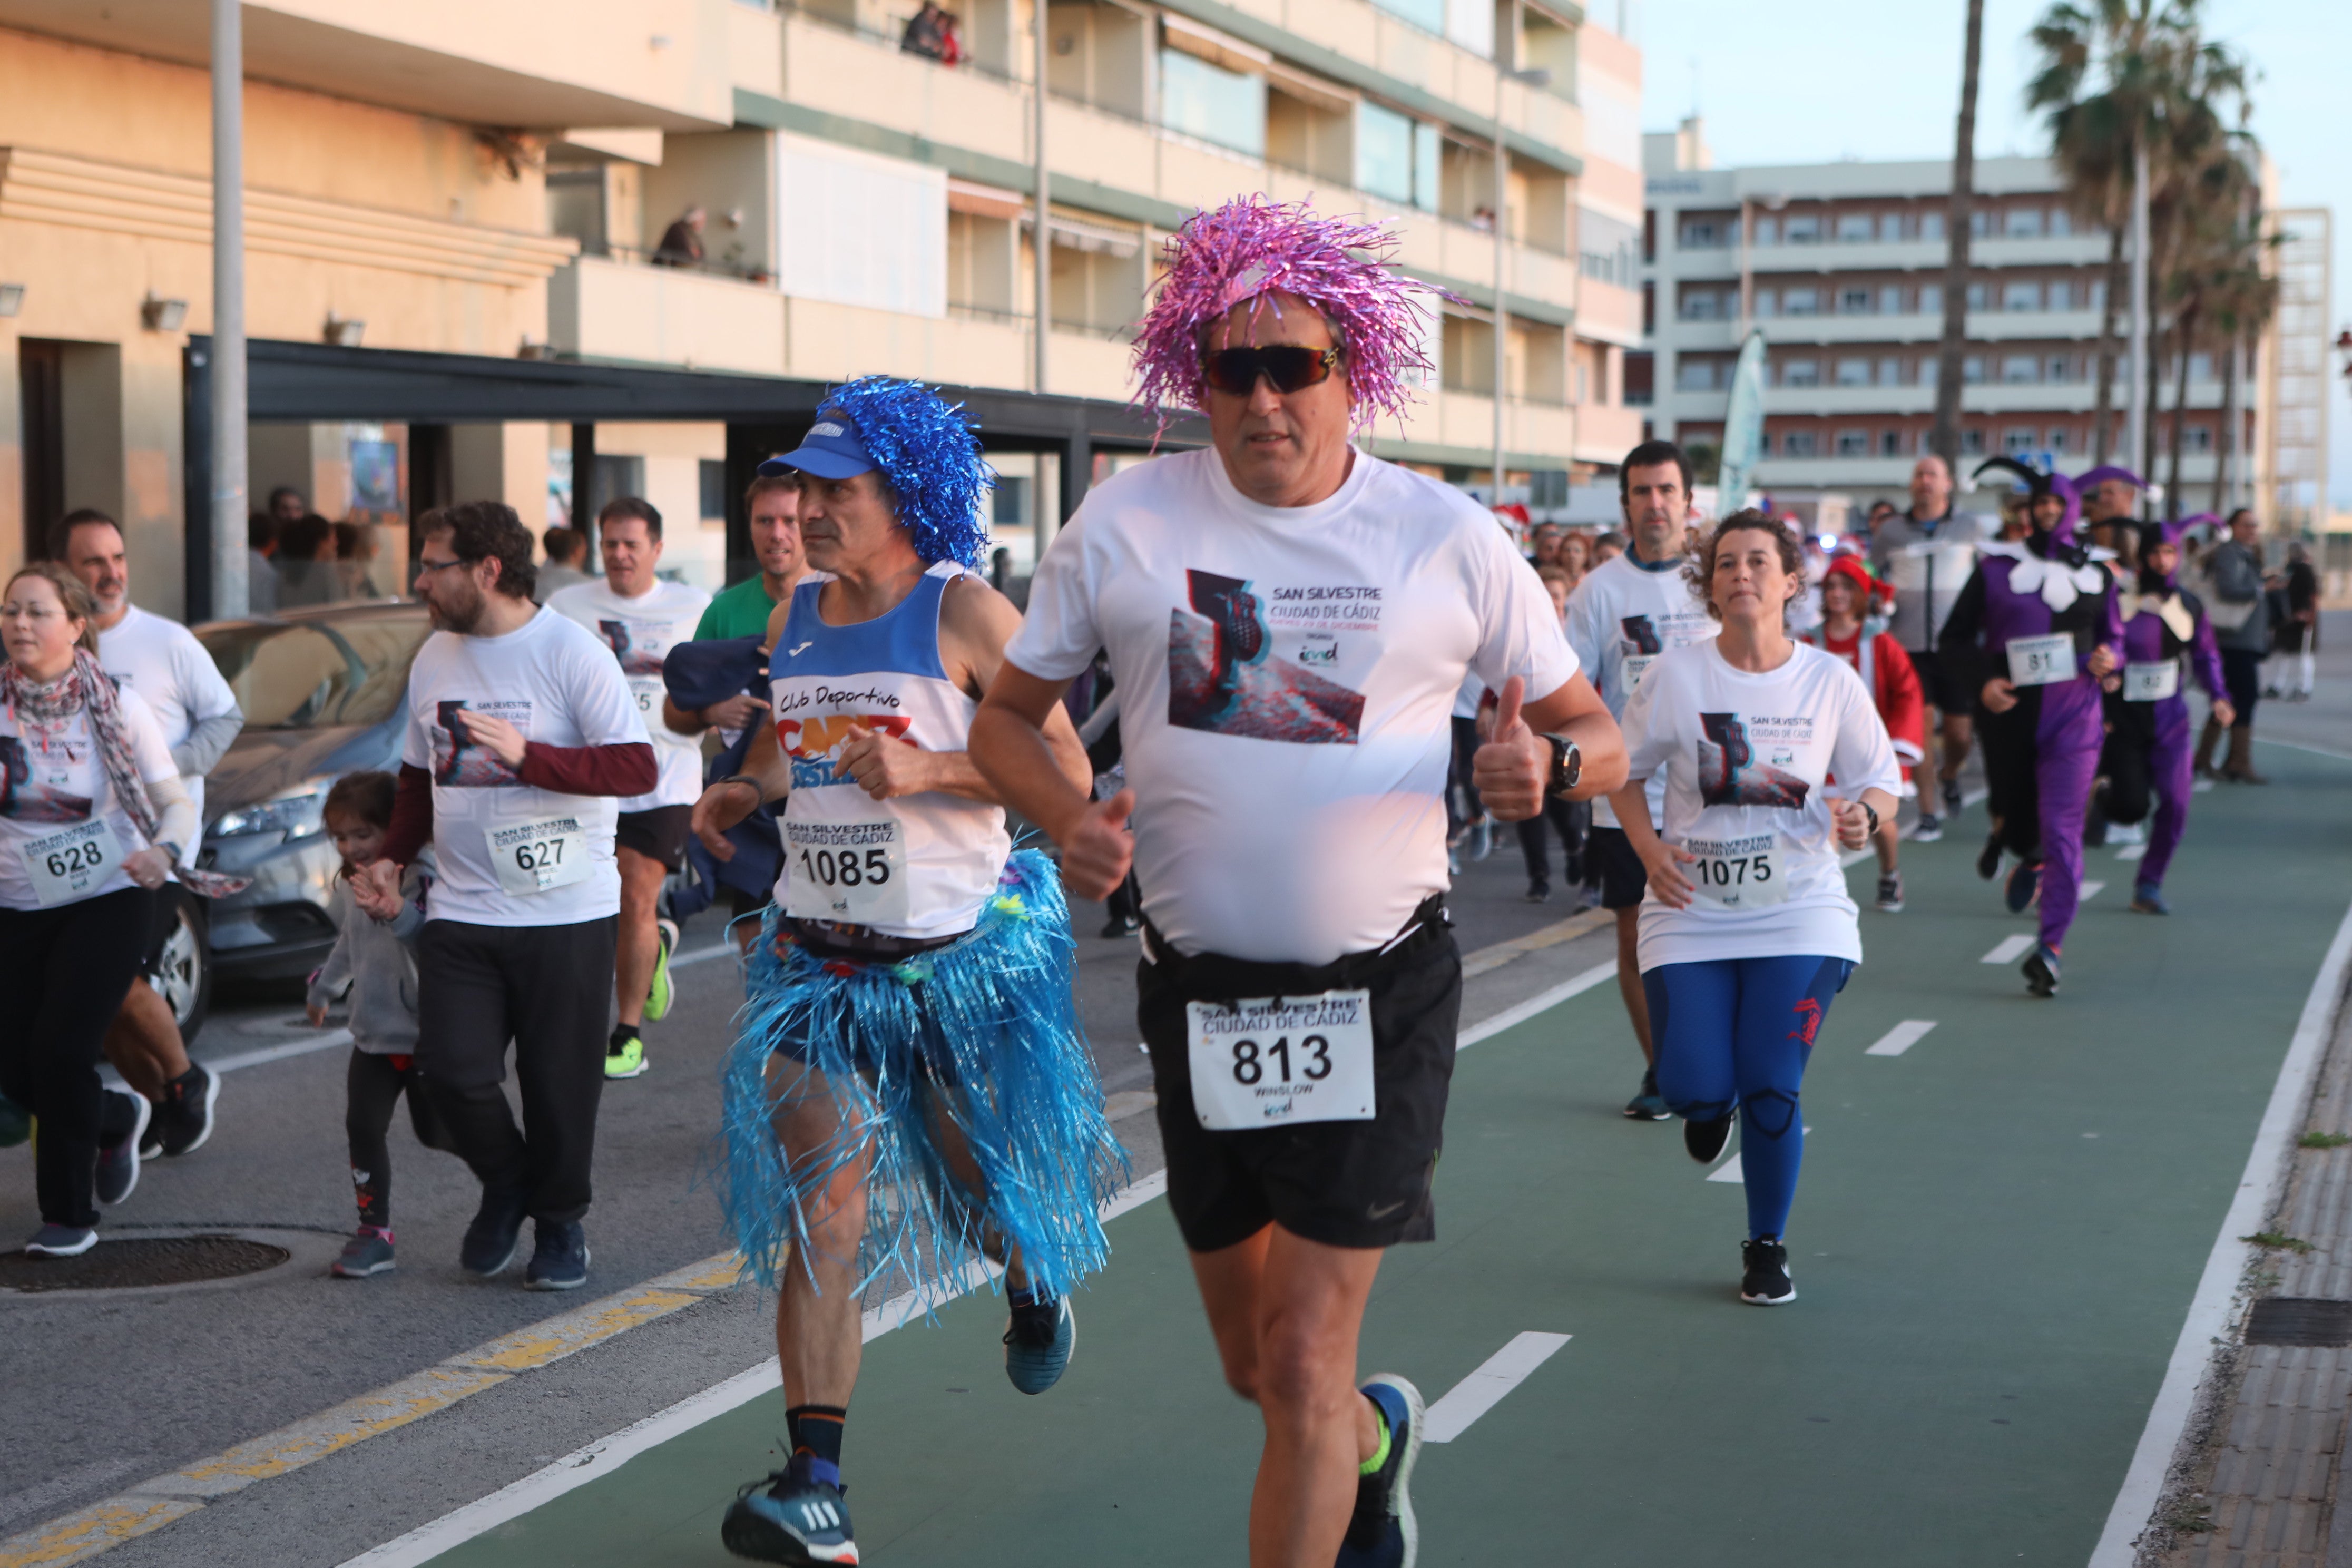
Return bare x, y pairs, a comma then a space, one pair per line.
2042, 661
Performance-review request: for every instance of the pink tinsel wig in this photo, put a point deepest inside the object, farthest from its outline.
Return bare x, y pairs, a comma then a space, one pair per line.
1253, 247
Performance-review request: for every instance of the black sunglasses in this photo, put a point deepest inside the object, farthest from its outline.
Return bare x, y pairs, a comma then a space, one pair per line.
1288, 367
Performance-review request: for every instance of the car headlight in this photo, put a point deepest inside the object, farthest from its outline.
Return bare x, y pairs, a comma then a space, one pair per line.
294, 812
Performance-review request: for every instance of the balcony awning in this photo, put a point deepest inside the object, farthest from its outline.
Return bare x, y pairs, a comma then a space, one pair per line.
984, 201
1078, 234
1218, 49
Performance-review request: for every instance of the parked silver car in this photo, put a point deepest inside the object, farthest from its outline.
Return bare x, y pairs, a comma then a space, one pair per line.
322, 689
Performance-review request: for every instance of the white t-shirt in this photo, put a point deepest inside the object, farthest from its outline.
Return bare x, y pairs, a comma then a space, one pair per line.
1289, 677
1744, 757
1621, 616
163, 661
52, 785
641, 632
558, 683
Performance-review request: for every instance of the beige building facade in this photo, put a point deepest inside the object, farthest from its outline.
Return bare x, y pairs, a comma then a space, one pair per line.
494, 184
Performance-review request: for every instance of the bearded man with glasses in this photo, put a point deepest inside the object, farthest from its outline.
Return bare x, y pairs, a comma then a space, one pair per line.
1289, 619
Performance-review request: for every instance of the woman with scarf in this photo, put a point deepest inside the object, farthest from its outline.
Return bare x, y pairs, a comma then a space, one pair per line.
2033, 633
92, 817
2148, 743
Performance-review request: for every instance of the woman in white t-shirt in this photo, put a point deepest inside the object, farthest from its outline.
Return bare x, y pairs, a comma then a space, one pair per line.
92, 816
1747, 933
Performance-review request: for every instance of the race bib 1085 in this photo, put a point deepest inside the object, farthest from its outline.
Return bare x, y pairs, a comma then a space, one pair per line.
1738, 873
851, 871
1270, 1062
70, 865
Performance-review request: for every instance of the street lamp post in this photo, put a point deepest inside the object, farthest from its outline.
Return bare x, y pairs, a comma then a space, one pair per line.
229, 589
1536, 76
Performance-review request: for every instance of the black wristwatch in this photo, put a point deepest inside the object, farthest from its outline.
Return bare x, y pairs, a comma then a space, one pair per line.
1871, 812
1567, 764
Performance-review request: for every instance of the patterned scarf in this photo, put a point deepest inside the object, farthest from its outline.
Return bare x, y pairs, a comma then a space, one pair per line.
86, 688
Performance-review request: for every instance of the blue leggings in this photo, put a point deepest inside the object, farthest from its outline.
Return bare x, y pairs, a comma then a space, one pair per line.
1737, 1031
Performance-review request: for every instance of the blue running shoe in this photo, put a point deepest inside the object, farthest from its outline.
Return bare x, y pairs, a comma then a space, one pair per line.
560, 1260
2149, 899
1038, 1345
2024, 887
1382, 1533
798, 1519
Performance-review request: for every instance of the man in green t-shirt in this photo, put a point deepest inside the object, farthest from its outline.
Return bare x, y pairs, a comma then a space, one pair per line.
742, 611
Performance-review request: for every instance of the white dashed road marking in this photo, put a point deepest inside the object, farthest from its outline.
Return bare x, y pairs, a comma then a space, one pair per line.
1902, 1038
1485, 1389
2012, 948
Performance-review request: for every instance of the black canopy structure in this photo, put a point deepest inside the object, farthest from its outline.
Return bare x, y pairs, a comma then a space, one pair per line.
308, 382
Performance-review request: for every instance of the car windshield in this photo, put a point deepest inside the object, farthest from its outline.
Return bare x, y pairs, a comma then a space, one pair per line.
315, 674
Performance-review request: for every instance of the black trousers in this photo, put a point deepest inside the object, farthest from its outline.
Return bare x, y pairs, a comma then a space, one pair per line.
1569, 819
1465, 746
2241, 677
2128, 794
65, 971
372, 1090
548, 989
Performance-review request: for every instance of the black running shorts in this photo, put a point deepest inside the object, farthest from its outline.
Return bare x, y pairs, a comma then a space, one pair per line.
163, 919
1343, 1184
658, 834
1624, 878
1939, 684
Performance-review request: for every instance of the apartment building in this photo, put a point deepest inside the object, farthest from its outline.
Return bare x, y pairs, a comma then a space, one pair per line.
1842, 266
458, 284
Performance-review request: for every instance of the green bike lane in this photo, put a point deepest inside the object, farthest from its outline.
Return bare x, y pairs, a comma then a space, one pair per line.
1997, 1236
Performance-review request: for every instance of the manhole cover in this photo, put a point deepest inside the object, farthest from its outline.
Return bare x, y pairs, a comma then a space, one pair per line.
2300, 1320
140, 1261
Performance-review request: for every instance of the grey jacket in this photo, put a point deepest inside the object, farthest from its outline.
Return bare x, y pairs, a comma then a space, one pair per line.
375, 961
2235, 573
1928, 564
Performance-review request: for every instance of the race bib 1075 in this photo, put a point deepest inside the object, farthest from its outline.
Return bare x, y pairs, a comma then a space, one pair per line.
1270, 1061
1738, 873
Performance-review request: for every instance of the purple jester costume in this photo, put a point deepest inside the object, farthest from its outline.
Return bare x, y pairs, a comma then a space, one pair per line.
2148, 743
2033, 613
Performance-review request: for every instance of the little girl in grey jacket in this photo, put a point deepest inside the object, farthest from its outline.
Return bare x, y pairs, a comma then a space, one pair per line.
374, 962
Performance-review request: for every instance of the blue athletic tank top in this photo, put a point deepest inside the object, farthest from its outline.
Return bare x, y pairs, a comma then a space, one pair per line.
919, 866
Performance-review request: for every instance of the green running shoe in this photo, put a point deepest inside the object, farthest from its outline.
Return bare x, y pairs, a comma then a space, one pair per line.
659, 995
624, 1055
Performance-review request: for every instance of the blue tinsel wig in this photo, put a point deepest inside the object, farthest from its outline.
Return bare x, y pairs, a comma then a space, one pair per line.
929, 457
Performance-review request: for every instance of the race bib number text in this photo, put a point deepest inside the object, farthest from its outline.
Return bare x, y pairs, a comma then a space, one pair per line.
648, 691
2152, 682
2042, 661
851, 871
71, 865
1738, 873
1637, 665
1271, 1062
532, 856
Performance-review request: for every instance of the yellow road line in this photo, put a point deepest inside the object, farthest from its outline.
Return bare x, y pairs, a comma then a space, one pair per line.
1552, 935
153, 1504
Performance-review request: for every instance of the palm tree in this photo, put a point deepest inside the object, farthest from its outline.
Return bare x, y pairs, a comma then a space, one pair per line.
1944, 435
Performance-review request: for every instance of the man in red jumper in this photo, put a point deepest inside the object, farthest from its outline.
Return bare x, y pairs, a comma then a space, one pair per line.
522, 738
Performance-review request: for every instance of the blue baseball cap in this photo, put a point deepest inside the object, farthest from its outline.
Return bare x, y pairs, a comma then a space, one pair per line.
831, 450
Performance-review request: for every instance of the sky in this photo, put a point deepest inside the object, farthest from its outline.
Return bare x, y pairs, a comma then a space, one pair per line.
1810, 82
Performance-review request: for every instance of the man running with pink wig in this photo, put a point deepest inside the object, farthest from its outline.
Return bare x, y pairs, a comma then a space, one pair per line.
1289, 619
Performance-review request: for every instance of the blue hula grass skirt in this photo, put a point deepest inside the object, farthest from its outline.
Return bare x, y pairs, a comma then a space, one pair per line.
982, 1034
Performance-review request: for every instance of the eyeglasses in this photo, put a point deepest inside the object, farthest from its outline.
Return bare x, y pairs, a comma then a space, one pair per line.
422, 565
1290, 367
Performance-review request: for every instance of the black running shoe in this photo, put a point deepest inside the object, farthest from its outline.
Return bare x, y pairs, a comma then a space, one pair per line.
1928, 828
1951, 797
798, 1517
2042, 972
1989, 861
61, 1241
2024, 887
492, 1240
559, 1260
1383, 1532
1764, 1273
184, 1119
1539, 892
1705, 1140
118, 1162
